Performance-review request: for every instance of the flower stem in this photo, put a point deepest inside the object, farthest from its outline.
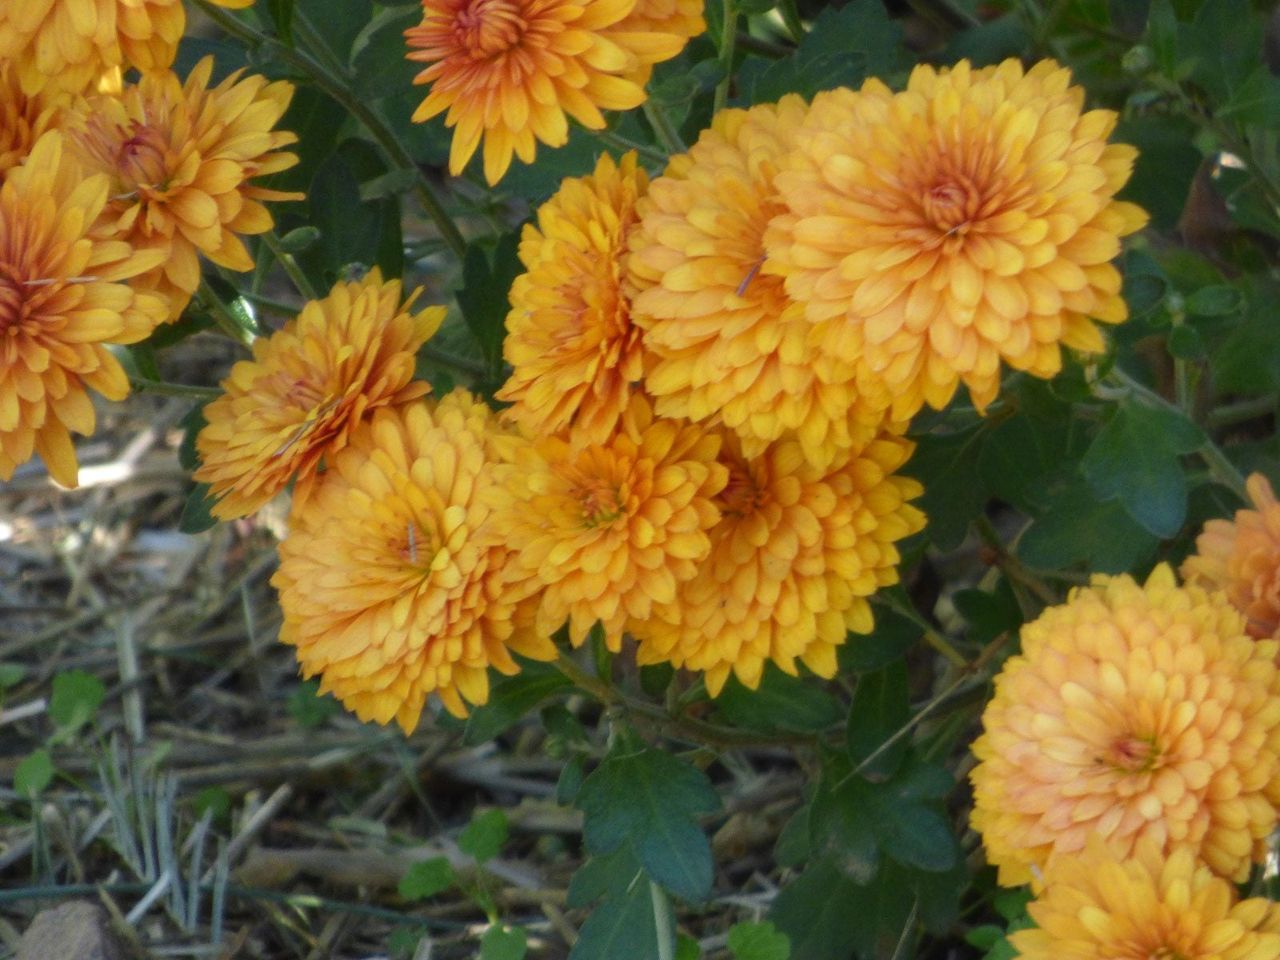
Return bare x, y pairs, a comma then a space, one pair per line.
663, 127
223, 317
336, 87
166, 389
941, 644
791, 20
622, 145
728, 37
290, 266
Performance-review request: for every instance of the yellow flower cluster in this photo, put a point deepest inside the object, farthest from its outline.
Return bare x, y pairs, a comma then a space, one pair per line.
702, 449
109, 192
1129, 765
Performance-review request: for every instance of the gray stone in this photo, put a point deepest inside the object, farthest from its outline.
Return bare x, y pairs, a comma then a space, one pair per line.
77, 930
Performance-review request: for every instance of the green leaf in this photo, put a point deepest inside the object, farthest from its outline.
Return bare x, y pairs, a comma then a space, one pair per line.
33, 773
308, 707
758, 941
11, 674
196, 511
1256, 101
503, 943
621, 926
426, 879
687, 948
378, 53
879, 710
989, 614
891, 638
281, 12
1167, 161
1135, 459
214, 799
338, 24
192, 423
781, 702
650, 801
75, 699
1216, 301
948, 466
1076, 527
827, 916
352, 230
1224, 42
486, 283
484, 836
511, 698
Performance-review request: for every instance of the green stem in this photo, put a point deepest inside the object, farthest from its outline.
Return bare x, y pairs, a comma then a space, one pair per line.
166, 389
394, 151
663, 127
728, 37
621, 144
936, 640
791, 20
1230, 414
1011, 566
442, 358
290, 266
222, 316
663, 922
765, 48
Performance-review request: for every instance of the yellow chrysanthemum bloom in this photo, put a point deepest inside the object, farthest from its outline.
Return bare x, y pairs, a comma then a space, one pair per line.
70, 44
62, 298
308, 386
1137, 712
574, 352
798, 550
729, 343
181, 158
1097, 905
967, 220
612, 528
390, 587
23, 118
680, 18
1242, 558
513, 71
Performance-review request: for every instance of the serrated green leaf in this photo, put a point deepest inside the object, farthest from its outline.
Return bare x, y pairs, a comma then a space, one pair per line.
891, 638
1077, 527
378, 53
758, 941
781, 702
621, 926
948, 466
486, 282
484, 836
33, 773
426, 879
308, 707
826, 916
511, 698
650, 801
503, 943
879, 710
76, 697
196, 511
1135, 459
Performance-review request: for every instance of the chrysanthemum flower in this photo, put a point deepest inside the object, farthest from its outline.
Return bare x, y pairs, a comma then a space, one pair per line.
1242, 558
62, 298
513, 71
389, 586
308, 386
937, 231
573, 349
23, 118
729, 342
1096, 905
1137, 712
679, 18
798, 550
181, 158
611, 529
70, 44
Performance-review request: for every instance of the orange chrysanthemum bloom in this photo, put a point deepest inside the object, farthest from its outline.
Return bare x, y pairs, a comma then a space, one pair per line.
572, 347
70, 44
937, 231
798, 550
62, 298
1096, 905
513, 71
181, 158
1137, 712
611, 529
390, 586
308, 386
23, 118
680, 18
729, 342
1242, 558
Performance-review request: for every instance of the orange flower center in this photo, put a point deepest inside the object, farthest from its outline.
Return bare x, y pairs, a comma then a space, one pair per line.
488, 28
141, 159
951, 203
601, 502
742, 496
11, 301
1132, 754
